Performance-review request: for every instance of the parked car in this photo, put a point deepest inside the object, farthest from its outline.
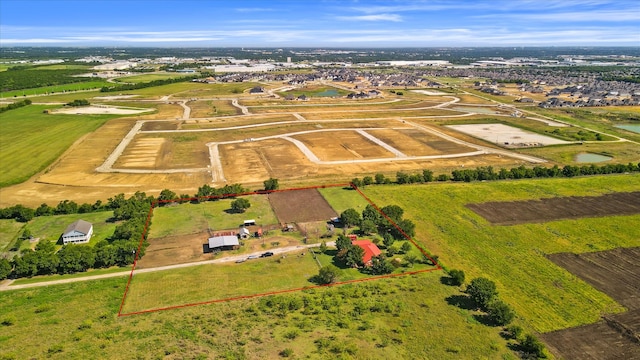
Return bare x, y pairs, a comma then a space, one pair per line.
267, 254
252, 257
241, 260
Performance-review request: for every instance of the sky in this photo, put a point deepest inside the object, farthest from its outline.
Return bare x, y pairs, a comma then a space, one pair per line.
319, 23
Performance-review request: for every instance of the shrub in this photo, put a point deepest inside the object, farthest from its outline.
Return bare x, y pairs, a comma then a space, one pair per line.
482, 291
286, 352
500, 313
532, 346
457, 277
512, 332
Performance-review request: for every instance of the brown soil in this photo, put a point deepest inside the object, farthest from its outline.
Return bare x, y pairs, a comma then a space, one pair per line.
342, 145
616, 273
300, 206
518, 212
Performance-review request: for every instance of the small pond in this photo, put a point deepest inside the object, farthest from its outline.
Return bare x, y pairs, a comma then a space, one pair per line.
591, 158
328, 92
630, 127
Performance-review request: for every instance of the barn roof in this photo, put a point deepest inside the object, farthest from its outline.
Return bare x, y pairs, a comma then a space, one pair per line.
80, 226
220, 241
370, 249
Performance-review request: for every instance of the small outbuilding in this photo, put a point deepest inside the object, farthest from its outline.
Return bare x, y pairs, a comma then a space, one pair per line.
78, 232
244, 233
225, 242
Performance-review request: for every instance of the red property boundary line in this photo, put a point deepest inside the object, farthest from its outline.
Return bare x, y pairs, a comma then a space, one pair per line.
262, 192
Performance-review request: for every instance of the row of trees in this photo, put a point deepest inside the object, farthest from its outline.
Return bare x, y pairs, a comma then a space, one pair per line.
489, 173
142, 85
23, 78
78, 102
484, 294
15, 105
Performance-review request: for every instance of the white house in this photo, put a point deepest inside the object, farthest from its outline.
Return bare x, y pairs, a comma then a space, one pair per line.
78, 232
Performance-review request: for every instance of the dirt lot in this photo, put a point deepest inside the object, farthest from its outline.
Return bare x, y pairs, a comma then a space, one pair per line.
342, 145
616, 273
300, 206
518, 212
415, 142
599, 341
182, 249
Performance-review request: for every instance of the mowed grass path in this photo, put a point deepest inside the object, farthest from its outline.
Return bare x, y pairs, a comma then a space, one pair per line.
184, 219
30, 140
546, 296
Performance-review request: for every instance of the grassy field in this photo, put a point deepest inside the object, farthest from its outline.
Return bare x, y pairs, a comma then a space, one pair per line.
148, 77
90, 272
55, 89
51, 227
621, 152
24, 152
9, 232
400, 318
545, 296
342, 199
189, 218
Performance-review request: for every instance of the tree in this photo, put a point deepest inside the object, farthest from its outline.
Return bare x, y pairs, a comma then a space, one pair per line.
328, 274
367, 226
166, 196
406, 247
271, 184
380, 266
367, 180
394, 212
354, 256
370, 213
343, 242
75, 258
26, 265
323, 247
380, 179
388, 240
533, 346
482, 291
357, 182
411, 259
44, 210
457, 277
427, 175
5, 268
240, 205
105, 254
26, 234
500, 313
402, 178
350, 217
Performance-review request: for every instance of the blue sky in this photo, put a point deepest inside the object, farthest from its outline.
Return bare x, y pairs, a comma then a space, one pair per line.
320, 23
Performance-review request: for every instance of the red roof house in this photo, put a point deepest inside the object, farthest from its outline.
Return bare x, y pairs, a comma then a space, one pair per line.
370, 250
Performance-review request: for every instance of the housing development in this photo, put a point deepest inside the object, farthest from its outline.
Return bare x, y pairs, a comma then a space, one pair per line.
245, 203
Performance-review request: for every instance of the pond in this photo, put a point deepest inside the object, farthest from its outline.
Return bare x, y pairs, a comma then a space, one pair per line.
591, 158
328, 92
630, 127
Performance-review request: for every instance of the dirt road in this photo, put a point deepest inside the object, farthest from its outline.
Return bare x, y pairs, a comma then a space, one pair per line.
6, 285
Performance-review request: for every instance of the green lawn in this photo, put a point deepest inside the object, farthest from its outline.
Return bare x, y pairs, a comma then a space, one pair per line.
341, 199
190, 218
55, 89
9, 232
51, 227
31, 140
544, 295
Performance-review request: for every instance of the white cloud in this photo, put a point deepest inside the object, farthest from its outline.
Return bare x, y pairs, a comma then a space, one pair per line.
374, 17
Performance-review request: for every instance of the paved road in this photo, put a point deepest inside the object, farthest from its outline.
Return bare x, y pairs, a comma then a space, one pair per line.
6, 286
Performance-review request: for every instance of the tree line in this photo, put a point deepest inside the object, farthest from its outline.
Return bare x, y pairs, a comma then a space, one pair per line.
119, 249
142, 85
15, 105
21, 78
484, 173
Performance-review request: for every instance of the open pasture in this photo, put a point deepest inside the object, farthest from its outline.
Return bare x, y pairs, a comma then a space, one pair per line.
547, 297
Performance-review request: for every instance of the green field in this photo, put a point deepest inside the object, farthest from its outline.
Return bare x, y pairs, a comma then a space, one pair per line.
51, 227
190, 218
148, 77
545, 296
9, 232
55, 89
342, 199
399, 318
24, 151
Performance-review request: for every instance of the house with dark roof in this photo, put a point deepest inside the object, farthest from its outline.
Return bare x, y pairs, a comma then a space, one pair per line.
78, 232
370, 250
